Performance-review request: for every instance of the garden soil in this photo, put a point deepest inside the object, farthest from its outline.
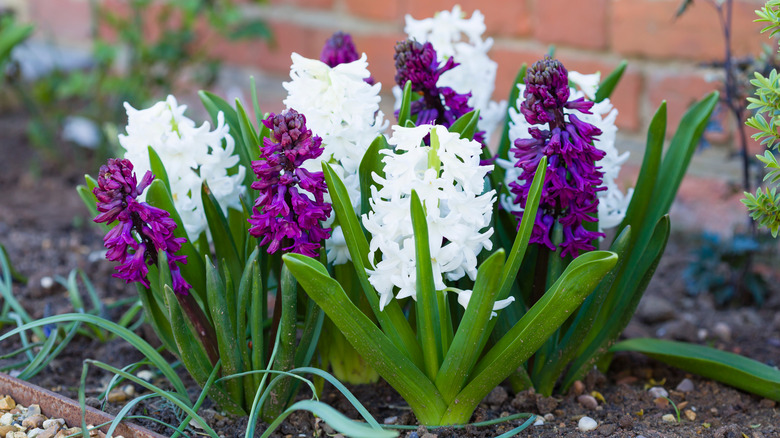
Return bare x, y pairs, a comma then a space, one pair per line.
46, 232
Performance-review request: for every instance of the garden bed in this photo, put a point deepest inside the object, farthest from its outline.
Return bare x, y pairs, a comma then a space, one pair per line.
44, 227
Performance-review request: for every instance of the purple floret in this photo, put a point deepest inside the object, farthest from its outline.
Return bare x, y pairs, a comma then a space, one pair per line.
284, 216
142, 232
418, 63
569, 193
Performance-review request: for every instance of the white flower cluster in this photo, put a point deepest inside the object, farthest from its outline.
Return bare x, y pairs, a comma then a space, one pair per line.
449, 180
191, 155
343, 109
612, 202
453, 35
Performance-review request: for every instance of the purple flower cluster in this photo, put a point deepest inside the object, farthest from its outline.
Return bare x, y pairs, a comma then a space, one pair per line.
339, 49
418, 63
116, 193
283, 216
572, 179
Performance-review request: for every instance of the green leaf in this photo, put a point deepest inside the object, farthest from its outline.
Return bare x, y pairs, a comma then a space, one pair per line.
254, 29
334, 418
375, 347
369, 165
466, 346
466, 125
391, 319
404, 114
226, 340
607, 86
214, 104
729, 368
193, 355
248, 147
528, 334
221, 234
428, 313
158, 169
11, 35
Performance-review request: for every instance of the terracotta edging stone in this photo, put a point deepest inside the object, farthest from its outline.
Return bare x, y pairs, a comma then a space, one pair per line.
54, 405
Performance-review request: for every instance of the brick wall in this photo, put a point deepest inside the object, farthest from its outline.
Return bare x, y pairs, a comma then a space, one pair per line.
665, 55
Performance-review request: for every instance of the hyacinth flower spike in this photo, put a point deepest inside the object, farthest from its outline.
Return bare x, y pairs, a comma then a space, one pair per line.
417, 64
287, 218
569, 198
142, 234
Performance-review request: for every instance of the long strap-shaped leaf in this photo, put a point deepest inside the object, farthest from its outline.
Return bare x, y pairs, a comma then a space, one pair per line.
729, 368
428, 313
373, 345
579, 279
391, 319
466, 346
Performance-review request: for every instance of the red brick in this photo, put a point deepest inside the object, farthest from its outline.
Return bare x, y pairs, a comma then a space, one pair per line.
274, 57
648, 28
511, 18
380, 49
61, 20
510, 60
388, 10
315, 4
680, 90
579, 23
626, 97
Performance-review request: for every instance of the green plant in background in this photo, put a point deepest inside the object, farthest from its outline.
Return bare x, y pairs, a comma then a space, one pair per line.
764, 206
736, 259
142, 49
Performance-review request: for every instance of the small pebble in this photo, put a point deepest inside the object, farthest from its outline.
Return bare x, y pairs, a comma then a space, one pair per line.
32, 410
626, 422
34, 433
47, 282
661, 402
722, 331
702, 334
49, 432
586, 424
549, 417
6, 419
588, 401
657, 391
685, 386
116, 396
53, 422
607, 429
145, 375
34, 421
578, 387
129, 390
539, 421
497, 396
4, 430
17, 434
7, 403
689, 414
669, 418
390, 420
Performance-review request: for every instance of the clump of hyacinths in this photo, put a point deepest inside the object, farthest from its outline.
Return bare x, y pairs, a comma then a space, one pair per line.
212, 311
429, 221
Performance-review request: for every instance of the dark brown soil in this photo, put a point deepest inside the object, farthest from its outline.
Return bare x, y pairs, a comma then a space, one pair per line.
46, 232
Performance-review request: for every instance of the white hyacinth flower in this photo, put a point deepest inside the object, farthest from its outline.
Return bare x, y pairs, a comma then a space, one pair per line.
460, 38
612, 201
342, 109
190, 154
449, 180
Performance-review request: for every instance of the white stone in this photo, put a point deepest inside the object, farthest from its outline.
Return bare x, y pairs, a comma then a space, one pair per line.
58, 422
669, 418
47, 282
34, 433
586, 424
6, 419
145, 375
657, 391
539, 421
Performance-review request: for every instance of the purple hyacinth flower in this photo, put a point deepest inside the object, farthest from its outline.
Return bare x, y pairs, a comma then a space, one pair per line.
419, 64
142, 232
339, 49
285, 216
569, 193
